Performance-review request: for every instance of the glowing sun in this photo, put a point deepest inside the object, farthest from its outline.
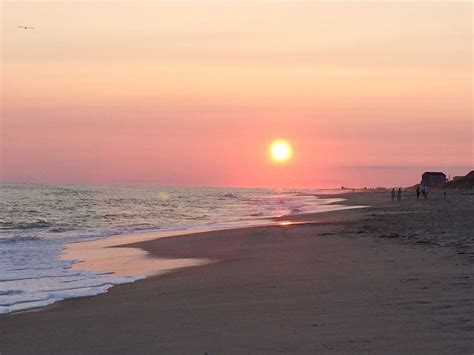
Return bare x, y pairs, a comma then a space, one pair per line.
280, 151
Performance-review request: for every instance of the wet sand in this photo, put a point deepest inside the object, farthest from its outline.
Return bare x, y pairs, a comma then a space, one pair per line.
392, 278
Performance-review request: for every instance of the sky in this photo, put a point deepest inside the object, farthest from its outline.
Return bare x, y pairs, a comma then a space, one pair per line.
193, 93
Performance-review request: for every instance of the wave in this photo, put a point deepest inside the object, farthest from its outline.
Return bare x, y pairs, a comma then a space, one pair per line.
229, 195
18, 239
60, 230
25, 301
11, 292
31, 225
40, 277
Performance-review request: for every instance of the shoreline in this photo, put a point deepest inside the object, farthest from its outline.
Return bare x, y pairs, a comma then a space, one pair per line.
125, 265
285, 289
123, 256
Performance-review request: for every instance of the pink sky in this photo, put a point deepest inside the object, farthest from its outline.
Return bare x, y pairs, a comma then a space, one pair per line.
193, 93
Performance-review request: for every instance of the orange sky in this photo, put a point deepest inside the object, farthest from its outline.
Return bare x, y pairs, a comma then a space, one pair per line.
193, 93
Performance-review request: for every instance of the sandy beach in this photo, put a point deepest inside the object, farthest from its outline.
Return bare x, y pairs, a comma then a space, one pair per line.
390, 278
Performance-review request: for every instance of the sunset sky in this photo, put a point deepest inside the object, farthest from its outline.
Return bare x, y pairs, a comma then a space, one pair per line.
193, 93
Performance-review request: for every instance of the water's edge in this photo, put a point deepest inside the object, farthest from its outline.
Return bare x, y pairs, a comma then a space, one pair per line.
91, 266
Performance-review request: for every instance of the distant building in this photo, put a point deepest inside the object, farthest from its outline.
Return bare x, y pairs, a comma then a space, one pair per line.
433, 179
462, 182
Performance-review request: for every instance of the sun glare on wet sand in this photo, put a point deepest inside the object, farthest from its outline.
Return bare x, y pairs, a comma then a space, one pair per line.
280, 151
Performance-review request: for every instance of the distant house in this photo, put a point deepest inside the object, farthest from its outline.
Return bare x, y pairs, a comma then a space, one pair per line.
433, 179
462, 182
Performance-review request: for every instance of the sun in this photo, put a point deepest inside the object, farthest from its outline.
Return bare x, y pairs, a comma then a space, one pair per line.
280, 151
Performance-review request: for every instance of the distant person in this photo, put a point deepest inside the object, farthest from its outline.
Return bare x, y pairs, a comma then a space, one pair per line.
393, 195
425, 195
399, 195
417, 192
444, 193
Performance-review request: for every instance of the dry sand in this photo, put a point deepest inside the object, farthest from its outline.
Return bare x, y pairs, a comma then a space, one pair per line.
392, 278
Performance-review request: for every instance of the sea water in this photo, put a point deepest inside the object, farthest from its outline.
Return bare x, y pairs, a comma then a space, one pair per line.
37, 221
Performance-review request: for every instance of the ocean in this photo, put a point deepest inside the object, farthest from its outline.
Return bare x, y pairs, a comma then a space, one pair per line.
37, 221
